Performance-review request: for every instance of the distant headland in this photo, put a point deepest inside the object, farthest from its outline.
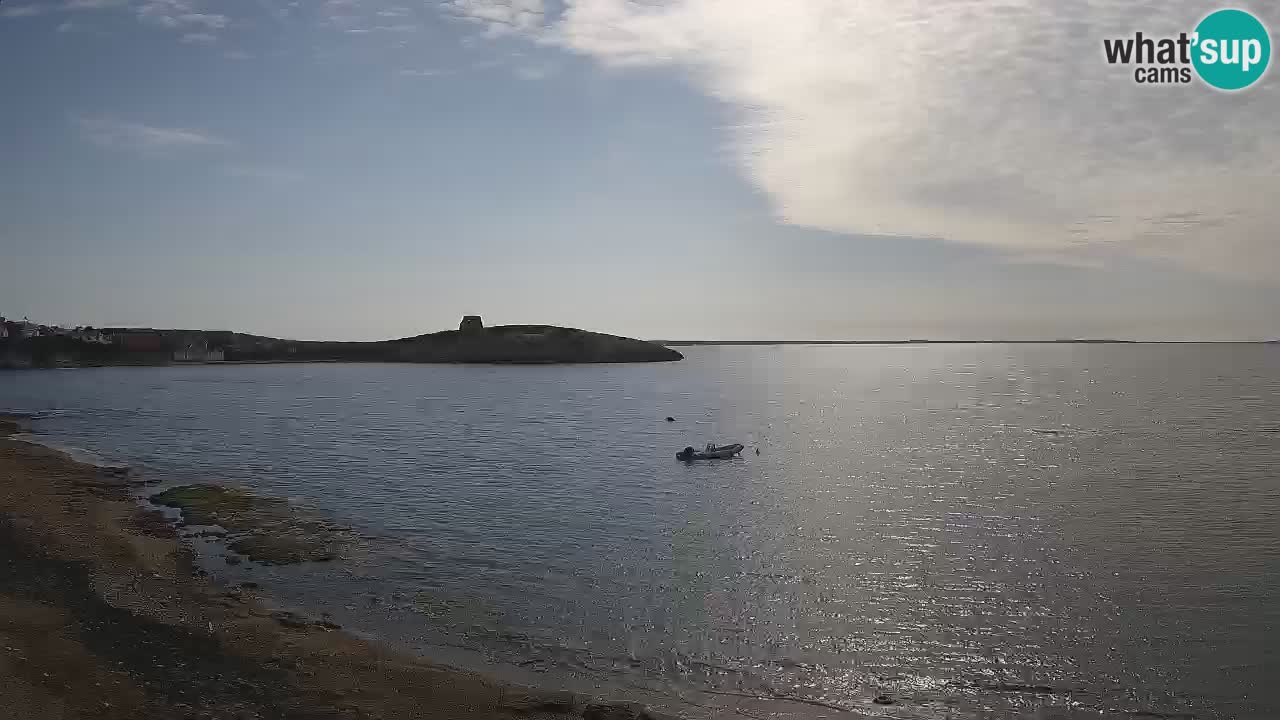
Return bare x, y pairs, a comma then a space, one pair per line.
25, 345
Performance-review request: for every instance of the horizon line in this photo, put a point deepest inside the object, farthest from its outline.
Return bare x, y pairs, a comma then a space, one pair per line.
1079, 341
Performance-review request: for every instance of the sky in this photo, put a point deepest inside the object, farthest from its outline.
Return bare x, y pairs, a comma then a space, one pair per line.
668, 169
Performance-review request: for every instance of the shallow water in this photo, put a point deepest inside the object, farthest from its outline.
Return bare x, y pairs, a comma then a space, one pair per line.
976, 530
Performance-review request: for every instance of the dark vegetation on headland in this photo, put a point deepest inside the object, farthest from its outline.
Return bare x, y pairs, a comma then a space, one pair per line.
499, 344
516, 344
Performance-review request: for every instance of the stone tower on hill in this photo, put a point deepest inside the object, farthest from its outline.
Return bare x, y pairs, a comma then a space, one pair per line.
471, 323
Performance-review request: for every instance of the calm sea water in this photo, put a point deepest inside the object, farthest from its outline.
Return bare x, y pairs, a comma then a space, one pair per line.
977, 530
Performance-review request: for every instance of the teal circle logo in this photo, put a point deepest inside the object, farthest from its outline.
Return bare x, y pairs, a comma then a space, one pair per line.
1231, 49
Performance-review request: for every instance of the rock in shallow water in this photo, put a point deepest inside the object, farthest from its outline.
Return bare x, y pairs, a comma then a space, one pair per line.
263, 529
282, 549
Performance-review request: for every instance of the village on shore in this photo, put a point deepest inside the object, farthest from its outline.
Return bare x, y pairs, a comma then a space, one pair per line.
176, 345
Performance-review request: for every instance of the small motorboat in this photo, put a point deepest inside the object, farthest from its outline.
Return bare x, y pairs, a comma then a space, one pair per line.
710, 452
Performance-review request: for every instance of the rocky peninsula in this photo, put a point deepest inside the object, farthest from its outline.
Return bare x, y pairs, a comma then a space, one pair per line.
514, 344
472, 342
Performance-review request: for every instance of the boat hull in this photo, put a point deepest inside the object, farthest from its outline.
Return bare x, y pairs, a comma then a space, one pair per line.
719, 453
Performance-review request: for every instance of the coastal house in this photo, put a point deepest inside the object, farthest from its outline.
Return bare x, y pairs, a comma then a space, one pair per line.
89, 335
59, 331
197, 350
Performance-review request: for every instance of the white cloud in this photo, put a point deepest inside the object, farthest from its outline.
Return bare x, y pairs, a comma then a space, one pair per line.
18, 11
341, 14
384, 29
33, 9
500, 17
71, 26
367, 17
264, 173
411, 72
200, 38
213, 22
114, 133
536, 72
180, 15
991, 123
94, 4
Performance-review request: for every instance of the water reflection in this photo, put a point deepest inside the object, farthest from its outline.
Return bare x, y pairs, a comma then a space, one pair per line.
969, 529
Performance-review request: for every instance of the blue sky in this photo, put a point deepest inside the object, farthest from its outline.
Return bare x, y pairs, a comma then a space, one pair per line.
363, 169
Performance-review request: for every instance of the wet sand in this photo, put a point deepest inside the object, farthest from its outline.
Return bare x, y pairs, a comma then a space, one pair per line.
104, 613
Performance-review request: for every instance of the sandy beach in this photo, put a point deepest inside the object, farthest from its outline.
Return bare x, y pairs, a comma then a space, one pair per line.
103, 614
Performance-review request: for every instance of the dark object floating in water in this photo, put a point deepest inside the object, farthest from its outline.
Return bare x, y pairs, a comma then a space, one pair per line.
711, 452
670, 419
757, 451
883, 700
1046, 432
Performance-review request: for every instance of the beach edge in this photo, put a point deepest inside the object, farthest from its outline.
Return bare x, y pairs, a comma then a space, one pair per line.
104, 613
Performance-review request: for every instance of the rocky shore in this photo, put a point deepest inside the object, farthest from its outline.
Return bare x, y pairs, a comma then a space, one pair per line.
105, 614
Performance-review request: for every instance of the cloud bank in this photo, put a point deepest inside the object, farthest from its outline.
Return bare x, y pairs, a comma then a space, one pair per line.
987, 122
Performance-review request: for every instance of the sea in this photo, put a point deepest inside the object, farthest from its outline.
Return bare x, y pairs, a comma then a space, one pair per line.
965, 530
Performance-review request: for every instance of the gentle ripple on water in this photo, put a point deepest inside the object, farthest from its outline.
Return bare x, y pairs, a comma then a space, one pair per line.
983, 531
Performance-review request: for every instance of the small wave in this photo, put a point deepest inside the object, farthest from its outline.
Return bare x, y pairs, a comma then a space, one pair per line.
1026, 688
37, 415
1046, 431
79, 455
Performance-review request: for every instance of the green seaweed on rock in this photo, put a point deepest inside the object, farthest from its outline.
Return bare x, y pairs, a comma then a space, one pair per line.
263, 529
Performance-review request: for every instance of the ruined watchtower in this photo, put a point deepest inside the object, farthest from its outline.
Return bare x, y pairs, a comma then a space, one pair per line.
471, 323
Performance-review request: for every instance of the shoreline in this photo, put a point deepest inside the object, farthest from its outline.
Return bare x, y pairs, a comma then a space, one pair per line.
105, 613
208, 363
